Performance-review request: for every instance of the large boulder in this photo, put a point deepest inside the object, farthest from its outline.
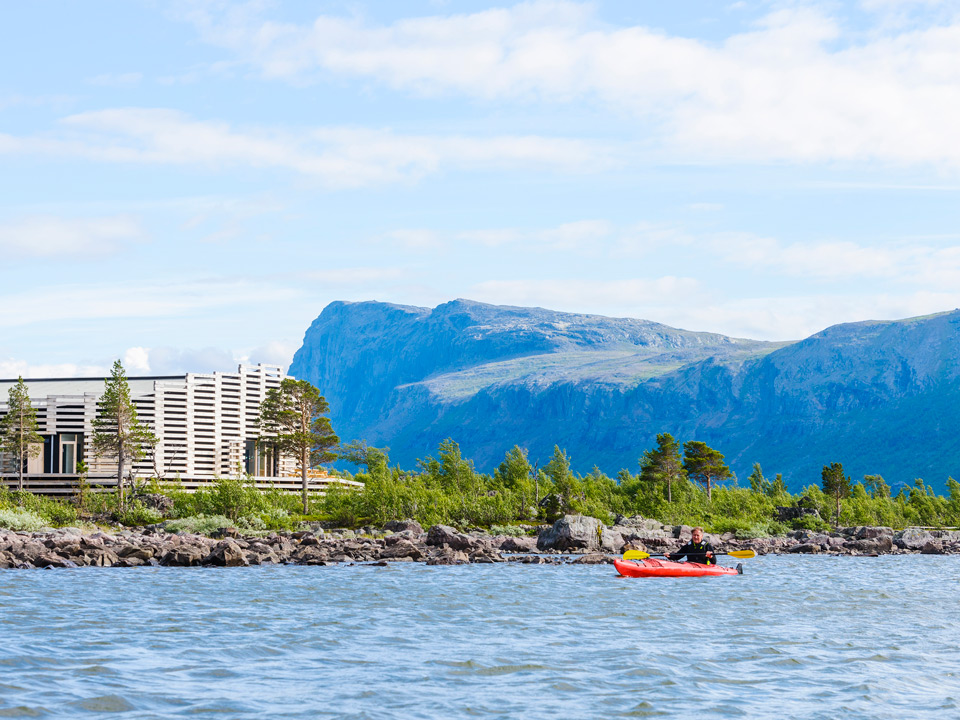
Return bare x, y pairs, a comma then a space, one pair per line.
912, 538
579, 532
226, 553
518, 544
440, 535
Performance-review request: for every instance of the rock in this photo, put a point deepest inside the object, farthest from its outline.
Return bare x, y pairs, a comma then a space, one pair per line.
804, 548
395, 526
402, 549
226, 553
183, 556
518, 544
912, 538
579, 532
682, 532
448, 556
868, 532
100, 557
593, 559
444, 535
932, 547
156, 501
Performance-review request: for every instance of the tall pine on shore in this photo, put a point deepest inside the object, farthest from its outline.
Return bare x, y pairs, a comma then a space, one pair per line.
293, 418
116, 430
18, 429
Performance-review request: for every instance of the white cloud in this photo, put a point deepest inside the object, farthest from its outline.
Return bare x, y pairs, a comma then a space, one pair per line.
49, 236
137, 360
618, 297
797, 87
906, 263
90, 301
339, 157
799, 316
11, 368
116, 79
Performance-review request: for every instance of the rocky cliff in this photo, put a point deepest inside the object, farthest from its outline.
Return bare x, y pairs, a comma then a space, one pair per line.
881, 397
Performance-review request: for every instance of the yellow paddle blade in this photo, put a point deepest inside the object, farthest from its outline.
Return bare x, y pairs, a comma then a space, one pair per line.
635, 555
744, 554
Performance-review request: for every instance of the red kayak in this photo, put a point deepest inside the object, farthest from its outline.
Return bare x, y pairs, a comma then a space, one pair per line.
667, 568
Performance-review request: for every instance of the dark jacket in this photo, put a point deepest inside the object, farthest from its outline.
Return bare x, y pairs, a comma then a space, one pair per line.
696, 552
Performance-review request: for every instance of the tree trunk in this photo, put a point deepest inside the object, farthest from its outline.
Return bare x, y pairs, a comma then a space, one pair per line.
304, 458
120, 476
709, 489
669, 489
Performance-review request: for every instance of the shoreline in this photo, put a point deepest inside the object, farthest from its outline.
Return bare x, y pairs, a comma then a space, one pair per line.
572, 539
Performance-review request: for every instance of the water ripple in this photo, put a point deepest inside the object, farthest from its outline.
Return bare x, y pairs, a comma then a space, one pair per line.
795, 637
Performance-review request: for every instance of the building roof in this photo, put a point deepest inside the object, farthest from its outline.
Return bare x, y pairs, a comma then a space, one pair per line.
43, 387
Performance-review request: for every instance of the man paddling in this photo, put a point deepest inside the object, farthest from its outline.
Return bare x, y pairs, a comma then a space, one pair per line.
696, 550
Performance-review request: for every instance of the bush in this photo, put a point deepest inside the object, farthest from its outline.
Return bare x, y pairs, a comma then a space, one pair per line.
198, 524
22, 520
139, 514
511, 530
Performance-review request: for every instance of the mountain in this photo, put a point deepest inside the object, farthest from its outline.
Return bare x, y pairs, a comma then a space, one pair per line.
880, 397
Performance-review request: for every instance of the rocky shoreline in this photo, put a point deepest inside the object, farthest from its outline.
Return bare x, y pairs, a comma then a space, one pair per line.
572, 539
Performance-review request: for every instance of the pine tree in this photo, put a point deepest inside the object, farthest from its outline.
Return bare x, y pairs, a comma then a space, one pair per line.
18, 429
663, 464
293, 420
704, 464
116, 430
836, 485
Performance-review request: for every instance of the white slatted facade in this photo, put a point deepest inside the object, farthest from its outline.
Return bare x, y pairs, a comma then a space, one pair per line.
206, 425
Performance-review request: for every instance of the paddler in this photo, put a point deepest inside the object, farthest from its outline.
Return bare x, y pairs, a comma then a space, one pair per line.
696, 550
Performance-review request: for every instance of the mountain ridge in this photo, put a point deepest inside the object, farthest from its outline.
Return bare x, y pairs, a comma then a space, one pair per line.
602, 388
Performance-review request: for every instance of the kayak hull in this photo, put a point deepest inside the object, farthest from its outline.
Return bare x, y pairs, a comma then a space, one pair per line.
667, 568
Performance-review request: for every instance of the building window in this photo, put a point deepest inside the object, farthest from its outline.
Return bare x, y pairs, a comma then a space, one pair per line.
71, 445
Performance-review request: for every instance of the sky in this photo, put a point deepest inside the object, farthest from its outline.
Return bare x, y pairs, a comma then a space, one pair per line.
186, 185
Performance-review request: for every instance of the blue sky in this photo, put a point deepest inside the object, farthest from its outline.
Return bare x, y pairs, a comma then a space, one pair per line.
186, 185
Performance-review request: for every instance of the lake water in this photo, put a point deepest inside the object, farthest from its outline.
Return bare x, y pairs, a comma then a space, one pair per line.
794, 637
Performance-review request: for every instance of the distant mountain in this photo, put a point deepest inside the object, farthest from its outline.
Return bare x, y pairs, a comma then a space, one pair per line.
880, 397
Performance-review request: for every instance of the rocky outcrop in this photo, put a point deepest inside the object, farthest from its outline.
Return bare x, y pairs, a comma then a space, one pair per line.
582, 539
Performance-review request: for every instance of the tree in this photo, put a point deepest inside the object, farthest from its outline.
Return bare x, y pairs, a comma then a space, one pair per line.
877, 486
835, 484
758, 483
663, 464
704, 464
293, 418
117, 432
514, 474
18, 429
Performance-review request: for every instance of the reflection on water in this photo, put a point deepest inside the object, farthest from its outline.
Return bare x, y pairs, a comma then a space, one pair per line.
795, 637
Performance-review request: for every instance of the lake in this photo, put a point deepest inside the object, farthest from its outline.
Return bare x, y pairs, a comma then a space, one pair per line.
794, 637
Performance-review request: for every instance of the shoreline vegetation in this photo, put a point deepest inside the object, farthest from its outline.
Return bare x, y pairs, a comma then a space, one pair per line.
475, 517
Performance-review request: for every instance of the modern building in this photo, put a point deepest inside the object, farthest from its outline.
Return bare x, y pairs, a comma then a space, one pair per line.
206, 426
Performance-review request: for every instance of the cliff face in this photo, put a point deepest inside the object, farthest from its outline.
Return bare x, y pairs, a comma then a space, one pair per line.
879, 397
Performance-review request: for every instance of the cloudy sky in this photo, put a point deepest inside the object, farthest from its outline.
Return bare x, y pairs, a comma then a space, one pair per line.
186, 185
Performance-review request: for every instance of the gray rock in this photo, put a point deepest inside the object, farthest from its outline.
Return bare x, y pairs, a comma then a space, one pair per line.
932, 547
440, 535
912, 538
410, 525
579, 532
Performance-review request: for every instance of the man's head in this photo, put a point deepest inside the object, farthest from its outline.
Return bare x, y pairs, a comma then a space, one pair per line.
697, 534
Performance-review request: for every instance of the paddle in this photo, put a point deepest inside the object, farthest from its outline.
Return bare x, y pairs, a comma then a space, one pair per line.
638, 555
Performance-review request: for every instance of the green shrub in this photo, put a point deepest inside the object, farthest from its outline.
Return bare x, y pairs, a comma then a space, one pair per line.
22, 520
511, 530
139, 514
198, 524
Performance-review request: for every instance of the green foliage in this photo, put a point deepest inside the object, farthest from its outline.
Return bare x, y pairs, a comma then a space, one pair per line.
19, 437
21, 520
835, 484
293, 420
117, 431
663, 464
136, 514
704, 464
198, 524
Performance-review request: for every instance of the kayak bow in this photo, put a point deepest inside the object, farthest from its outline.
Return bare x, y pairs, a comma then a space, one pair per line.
668, 568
